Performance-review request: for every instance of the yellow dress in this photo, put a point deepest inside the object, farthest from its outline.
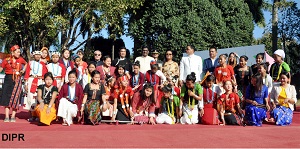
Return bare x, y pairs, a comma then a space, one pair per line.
282, 96
43, 116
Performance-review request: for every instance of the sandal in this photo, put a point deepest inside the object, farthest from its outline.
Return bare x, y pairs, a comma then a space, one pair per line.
6, 120
12, 120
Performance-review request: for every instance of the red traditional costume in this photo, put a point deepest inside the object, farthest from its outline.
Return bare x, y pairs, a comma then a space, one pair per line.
58, 70
142, 108
155, 80
137, 80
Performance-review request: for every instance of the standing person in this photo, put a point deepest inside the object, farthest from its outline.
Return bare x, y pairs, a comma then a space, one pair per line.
223, 71
144, 60
243, 74
106, 68
228, 105
14, 67
143, 105
138, 78
70, 100
65, 59
87, 75
78, 68
170, 68
45, 55
155, 55
94, 96
279, 66
169, 103
122, 60
109, 90
97, 58
58, 70
232, 59
82, 64
259, 59
189, 64
212, 62
283, 97
190, 100
256, 101
267, 79
46, 110
34, 75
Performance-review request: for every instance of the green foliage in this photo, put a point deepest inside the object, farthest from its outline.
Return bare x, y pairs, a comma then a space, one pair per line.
173, 24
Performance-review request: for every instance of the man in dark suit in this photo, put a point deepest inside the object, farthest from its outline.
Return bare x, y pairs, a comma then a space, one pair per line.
212, 62
122, 60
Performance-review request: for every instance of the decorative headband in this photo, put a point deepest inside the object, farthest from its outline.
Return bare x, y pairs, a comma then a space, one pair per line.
15, 47
55, 53
36, 52
123, 78
153, 63
44, 48
75, 56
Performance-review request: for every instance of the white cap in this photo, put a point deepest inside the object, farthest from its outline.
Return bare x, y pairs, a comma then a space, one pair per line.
280, 53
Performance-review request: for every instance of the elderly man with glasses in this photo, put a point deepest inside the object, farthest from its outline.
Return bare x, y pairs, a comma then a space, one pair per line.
97, 57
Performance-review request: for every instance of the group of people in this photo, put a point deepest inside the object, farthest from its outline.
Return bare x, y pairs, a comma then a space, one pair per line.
221, 91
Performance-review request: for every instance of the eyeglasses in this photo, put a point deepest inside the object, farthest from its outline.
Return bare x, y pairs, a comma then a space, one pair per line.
97, 54
168, 54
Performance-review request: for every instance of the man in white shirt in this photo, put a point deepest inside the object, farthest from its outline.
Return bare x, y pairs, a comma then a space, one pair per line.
189, 64
144, 60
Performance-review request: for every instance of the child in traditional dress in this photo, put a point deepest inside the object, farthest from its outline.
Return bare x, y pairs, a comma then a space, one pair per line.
137, 79
229, 105
57, 70
86, 78
169, 103
143, 105
82, 63
190, 100
34, 75
122, 100
121, 71
109, 90
70, 100
78, 68
45, 110
45, 55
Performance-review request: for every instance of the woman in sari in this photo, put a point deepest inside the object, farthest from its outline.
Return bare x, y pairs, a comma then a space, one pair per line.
94, 96
14, 67
283, 97
256, 101
170, 68
45, 110
70, 100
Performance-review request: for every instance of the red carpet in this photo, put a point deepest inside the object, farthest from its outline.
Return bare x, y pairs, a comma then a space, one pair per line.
147, 136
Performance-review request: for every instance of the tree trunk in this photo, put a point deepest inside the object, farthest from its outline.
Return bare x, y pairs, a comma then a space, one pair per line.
275, 25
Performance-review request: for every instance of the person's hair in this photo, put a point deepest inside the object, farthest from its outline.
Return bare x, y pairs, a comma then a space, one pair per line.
73, 71
143, 47
265, 65
94, 73
287, 74
64, 50
137, 63
48, 74
154, 66
210, 78
244, 57
224, 55
92, 63
97, 50
122, 48
117, 72
232, 83
167, 88
80, 51
191, 46
191, 77
105, 57
108, 78
257, 88
143, 94
213, 47
260, 54
234, 63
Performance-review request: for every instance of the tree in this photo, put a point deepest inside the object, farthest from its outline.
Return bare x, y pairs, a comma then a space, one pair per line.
174, 24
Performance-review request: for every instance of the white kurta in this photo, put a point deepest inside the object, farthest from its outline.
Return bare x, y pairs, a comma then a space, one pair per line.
189, 64
144, 63
57, 72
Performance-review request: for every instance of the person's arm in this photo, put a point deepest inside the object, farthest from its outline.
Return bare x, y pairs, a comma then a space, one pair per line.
39, 98
181, 71
293, 98
54, 95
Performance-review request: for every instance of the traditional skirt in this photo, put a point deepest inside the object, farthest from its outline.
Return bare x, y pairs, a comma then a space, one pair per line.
121, 115
282, 115
67, 110
231, 118
189, 116
11, 92
43, 116
210, 116
93, 111
164, 118
255, 115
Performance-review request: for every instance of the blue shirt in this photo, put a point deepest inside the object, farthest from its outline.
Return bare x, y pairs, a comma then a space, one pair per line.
258, 97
